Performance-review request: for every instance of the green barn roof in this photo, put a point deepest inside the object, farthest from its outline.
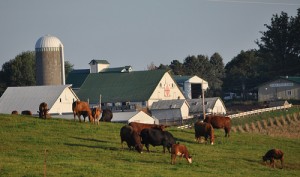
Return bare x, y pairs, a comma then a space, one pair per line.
77, 77
134, 86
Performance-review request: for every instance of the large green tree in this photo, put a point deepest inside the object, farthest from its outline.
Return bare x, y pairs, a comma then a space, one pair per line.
177, 67
280, 45
20, 71
242, 72
218, 73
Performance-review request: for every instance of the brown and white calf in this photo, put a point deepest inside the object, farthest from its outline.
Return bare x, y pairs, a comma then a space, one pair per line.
179, 150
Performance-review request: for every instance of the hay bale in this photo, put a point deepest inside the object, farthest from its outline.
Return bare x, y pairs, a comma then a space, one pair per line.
247, 128
259, 126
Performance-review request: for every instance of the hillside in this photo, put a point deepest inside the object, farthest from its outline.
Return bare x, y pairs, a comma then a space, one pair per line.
32, 147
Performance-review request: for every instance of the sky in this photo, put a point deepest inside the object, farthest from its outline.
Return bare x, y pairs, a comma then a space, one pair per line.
137, 32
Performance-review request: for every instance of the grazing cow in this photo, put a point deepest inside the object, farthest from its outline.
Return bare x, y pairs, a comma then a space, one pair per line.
14, 112
219, 122
180, 150
96, 114
157, 137
204, 129
272, 155
128, 134
138, 127
82, 108
107, 115
26, 112
43, 110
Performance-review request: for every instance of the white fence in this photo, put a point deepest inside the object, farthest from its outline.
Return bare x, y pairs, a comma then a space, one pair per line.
259, 111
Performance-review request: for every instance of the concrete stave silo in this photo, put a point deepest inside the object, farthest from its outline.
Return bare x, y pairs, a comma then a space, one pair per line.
49, 52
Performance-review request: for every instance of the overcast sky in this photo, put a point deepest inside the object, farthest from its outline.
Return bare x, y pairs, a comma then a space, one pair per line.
137, 32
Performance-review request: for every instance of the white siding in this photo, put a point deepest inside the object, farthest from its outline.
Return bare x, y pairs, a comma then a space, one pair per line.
219, 108
63, 104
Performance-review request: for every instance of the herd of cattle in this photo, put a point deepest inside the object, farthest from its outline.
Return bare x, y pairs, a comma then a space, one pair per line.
136, 135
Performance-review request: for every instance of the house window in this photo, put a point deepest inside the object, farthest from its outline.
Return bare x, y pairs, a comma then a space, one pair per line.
160, 84
289, 93
59, 99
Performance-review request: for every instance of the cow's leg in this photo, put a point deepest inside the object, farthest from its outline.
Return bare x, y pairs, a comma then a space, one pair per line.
281, 160
147, 146
272, 163
227, 131
173, 159
78, 115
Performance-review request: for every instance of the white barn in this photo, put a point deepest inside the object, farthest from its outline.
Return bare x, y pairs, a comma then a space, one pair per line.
213, 105
191, 86
170, 110
58, 97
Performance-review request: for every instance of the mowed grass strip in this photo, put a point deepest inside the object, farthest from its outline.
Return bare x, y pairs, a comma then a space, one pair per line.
83, 149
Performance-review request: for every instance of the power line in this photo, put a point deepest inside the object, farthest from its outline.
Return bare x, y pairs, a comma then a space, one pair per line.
256, 2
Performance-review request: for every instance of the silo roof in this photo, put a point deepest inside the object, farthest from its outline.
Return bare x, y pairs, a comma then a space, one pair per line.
48, 41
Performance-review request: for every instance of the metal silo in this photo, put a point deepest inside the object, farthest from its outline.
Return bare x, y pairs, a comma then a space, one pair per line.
49, 58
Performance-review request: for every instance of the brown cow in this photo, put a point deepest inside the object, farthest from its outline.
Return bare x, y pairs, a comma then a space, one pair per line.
82, 108
180, 150
26, 112
128, 134
96, 114
43, 110
107, 115
14, 112
203, 129
272, 155
219, 122
138, 127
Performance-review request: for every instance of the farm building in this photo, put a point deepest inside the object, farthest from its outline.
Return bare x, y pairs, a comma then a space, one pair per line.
129, 89
170, 110
78, 76
283, 88
213, 105
58, 97
191, 86
133, 116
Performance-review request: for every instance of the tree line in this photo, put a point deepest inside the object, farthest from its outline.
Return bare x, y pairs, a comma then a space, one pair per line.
278, 54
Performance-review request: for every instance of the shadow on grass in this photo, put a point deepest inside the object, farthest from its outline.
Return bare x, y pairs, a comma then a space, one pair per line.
91, 139
89, 146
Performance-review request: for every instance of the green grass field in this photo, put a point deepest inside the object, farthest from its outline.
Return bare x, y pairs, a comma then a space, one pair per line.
83, 149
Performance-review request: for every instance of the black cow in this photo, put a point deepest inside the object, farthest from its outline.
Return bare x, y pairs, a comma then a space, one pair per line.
107, 115
157, 137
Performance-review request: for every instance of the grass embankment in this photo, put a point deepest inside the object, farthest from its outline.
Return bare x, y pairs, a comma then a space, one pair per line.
83, 149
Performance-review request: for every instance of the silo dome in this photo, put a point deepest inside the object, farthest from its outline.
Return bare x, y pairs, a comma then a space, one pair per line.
48, 41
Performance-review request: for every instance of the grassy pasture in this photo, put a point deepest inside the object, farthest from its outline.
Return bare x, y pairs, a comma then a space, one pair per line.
82, 149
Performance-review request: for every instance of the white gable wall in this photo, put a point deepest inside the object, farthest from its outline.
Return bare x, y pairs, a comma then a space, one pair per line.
188, 85
219, 108
142, 117
184, 111
63, 104
165, 90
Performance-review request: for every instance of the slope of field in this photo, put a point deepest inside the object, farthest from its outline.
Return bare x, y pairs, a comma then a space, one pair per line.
34, 147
